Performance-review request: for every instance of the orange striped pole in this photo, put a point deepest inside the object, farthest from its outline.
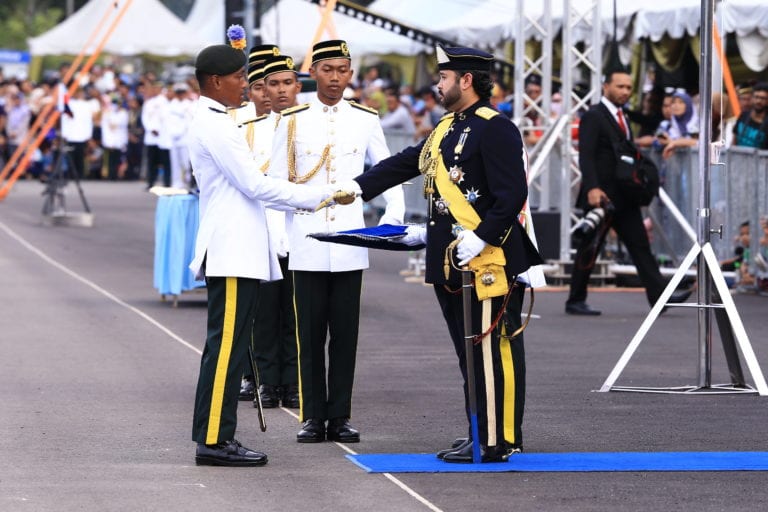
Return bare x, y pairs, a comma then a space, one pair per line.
55, 115
733, 98
325, 20
48, 107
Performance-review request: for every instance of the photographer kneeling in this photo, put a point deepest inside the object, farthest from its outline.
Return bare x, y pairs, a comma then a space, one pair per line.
604, 135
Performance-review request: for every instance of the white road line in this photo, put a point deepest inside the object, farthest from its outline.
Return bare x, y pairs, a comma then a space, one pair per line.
96, 287
418, 497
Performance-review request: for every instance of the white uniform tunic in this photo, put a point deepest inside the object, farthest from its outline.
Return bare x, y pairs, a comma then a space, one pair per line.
232, 237
350, 133
259, 132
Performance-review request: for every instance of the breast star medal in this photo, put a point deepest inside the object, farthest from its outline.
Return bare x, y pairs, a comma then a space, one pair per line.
472, 195
456, 174
441, 205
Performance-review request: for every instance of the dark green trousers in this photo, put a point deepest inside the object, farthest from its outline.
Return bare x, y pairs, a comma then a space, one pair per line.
327, 309
274, 332
231, 307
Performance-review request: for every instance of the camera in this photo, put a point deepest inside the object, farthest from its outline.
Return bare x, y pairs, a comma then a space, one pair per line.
588, 225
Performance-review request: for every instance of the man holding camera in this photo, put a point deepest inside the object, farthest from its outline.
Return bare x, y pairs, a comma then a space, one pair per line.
601, 128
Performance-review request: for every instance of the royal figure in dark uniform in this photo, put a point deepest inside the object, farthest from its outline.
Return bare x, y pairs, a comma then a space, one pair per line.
474, 168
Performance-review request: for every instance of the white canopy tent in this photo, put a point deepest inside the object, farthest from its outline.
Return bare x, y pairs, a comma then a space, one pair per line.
147, 28
207, 19
291, 24
488, 23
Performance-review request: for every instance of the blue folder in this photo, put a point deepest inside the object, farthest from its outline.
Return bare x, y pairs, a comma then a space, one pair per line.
386, 236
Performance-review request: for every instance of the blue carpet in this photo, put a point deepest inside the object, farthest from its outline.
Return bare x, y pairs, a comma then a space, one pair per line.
544, 462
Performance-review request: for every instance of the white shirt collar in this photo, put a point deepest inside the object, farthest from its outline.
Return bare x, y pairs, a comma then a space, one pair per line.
613, 109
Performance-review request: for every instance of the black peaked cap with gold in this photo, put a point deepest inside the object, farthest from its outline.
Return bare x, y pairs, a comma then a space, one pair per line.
262, 52
278, 64
256, 57
463, 59
333, 49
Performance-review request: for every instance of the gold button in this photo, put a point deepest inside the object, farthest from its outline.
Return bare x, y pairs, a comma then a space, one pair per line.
332, 218
335, 109
325, 109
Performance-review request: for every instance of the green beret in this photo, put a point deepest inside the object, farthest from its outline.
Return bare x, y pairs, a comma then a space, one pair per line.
220, 59
334, 49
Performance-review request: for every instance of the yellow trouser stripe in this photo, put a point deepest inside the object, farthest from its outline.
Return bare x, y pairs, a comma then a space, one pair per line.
298, 349
225, 350
490, 385
508, 367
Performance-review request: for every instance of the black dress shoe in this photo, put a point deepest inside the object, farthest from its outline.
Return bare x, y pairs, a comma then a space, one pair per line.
580, 308
247, 389
270, 396
463, 442
341, 431
492, 454
228, 453
312, 431
291, 396
458, 442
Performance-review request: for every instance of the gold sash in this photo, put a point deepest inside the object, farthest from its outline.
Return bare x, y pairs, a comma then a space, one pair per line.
488, 266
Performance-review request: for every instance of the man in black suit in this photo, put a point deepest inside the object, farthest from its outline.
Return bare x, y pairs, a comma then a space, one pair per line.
475, 181
602, 127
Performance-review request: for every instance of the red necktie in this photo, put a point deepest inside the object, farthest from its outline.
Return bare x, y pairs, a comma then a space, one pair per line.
621, 122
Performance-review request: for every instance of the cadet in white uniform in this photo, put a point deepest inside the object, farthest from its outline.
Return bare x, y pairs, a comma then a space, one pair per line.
258, 122
232, 250
319, 143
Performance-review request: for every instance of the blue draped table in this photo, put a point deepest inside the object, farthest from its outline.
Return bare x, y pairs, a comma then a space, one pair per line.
176, 223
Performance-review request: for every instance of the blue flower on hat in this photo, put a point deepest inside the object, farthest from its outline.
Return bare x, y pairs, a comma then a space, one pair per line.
236, 36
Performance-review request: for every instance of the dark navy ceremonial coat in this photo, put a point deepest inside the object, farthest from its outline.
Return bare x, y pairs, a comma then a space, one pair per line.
487, 149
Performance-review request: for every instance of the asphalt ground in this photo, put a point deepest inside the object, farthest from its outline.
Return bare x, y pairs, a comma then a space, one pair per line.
97, 380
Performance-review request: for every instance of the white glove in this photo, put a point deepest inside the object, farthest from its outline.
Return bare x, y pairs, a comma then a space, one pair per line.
350, 186
389, 219
415, 234
470, 245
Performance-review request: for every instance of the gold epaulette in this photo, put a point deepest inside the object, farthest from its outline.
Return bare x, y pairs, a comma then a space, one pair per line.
449, 115
292, 110
256, 119
363, 107
486, 113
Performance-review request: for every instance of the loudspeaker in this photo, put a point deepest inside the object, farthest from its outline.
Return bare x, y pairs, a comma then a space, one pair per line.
547, 226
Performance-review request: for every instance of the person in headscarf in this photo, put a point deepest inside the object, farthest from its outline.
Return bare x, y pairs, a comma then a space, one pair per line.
684, 125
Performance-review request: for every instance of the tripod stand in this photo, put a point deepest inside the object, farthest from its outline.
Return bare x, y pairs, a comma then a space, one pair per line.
54, 204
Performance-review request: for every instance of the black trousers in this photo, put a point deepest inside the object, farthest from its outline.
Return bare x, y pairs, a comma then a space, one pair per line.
78, 157
507, 366
274, 332
231, 306
628, 224
158, 158
327, 309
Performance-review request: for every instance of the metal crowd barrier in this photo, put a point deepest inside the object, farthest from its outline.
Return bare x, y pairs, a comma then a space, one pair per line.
739, 192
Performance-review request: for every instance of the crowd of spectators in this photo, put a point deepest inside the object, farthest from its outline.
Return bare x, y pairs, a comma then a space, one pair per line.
113, 126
